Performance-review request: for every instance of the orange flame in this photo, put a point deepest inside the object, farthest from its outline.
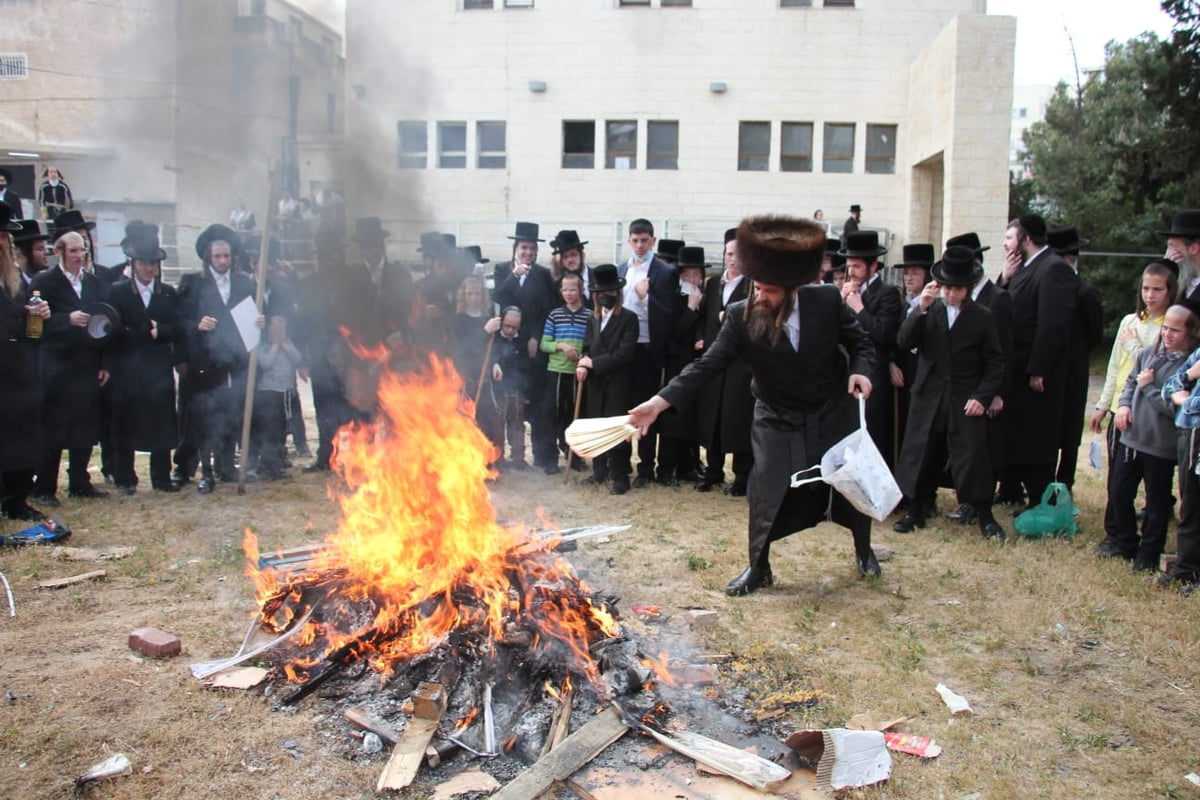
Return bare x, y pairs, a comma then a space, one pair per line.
661, 668
418, 552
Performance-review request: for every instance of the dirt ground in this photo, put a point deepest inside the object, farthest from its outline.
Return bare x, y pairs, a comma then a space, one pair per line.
1082, 675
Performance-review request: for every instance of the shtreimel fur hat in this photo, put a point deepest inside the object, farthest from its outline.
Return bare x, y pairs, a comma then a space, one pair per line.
780, 251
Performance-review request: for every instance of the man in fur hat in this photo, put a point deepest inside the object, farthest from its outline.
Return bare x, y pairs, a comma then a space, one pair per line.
809, 356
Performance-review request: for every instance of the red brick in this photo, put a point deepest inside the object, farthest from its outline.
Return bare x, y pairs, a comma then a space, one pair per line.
154, 643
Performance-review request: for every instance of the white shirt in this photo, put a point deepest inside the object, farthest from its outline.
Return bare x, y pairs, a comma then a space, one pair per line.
222, 280
376, 270
145, 290
76, 281
634, 272
792, 327
978, 288
605, 316
952, 313
728, 286
1035, 255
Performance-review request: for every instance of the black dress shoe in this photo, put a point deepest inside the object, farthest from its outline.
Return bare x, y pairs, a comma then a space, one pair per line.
551, 469
47, 500
169, 488
909, 521
592, 480
707, 485
751, 580
126, 491
316, 466
179, 478
736, 490
205, 486
619, 487
19, 510
965, 514
88, 492
641, 482
992, 530
1145, 564
1109, 547
868, 566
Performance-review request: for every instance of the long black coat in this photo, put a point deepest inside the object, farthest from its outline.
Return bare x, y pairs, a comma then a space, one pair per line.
1043, 303
726, 400
1087, 329
70, 363
21, 398
880, 318
954, 365
218, 356
802, 408
682, 424
998, 301
143, 378
609, 383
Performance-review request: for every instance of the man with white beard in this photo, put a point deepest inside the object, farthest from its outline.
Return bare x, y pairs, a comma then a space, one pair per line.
1183, 247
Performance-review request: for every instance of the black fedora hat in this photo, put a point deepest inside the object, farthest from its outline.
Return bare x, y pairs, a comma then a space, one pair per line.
916, 255
604, 278
432, 244
8, 176
369, 230
526, 232
668, 249
566, 240
1065, 241
474, 254
689, 257
780, 251
1185, 224
6, 220
730, 235
862, 244
218, 232
103, 323
855, 209
71, 220
143, 245
32, 230
970, 240
958, 267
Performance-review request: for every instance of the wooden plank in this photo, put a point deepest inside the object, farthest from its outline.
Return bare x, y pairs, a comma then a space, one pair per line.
676, 779
58, 583
576, 750
409, 752
406, 757
359, 717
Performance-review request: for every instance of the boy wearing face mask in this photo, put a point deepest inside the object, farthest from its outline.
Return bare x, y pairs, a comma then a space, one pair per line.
604, 370
960, 368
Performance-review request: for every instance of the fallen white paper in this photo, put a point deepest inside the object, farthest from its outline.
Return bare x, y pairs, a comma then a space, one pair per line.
955, 702
1192, 778
245, 316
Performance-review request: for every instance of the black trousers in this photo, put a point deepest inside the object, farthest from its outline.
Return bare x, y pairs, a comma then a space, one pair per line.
647, 380
124, 474
216, 420
1130, 469
187, 455
558, 401
296, 426
268, 431
15, 487
77, 469
1187, 566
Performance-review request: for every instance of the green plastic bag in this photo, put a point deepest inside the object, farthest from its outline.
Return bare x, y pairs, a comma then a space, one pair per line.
1054, 516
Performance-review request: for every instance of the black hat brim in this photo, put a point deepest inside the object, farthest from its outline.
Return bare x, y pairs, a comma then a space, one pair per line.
554, 248
101, 310
876, 253
956, 280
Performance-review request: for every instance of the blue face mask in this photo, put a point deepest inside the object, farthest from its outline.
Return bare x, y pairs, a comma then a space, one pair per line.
643, 259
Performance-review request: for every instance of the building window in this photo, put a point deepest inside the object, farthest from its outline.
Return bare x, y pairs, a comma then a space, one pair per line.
626, 3
579, 144
414, 144
620, 140
795, 3
668, 3
662, 145
754, 146
13, 66
452, 145
490, 142
518, 3
839, 3
795, 147
472, 4
881, 149
839, 147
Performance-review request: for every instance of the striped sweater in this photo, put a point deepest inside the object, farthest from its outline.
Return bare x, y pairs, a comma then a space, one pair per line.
569, 327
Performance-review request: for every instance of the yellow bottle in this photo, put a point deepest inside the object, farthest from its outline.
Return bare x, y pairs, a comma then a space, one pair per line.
33, 322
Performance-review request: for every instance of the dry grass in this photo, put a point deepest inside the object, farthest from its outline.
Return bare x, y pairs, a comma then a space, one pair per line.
1104, 706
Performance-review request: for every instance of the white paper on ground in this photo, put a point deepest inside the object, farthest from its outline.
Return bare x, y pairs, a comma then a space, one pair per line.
853, 758
245, 316
955, 702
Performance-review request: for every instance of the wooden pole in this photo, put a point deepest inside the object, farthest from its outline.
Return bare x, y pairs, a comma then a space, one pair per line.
575, 416
264, 255
487, 353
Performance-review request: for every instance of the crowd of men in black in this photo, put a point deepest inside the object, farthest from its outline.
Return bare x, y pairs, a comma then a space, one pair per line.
113, 355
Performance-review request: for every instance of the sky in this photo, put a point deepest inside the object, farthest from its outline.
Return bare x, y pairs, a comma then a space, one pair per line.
1045, 29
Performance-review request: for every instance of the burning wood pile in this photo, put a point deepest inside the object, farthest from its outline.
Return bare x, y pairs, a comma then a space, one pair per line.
445, 630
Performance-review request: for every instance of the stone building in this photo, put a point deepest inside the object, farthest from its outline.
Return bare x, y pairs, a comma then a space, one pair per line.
465, 115
169, 111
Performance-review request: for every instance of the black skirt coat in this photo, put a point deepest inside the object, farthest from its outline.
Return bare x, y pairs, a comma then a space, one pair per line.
20, 399
609, 383
143, 380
